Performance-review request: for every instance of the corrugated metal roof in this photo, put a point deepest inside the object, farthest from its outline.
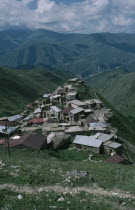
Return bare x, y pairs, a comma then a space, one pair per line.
38, 110
14, 118
73, 80
74, 129
71, 94
114, 145
55, 97
46, 95
98, 128
27, 118
98, 124
87, 141
56, 109
8, 130
93, 101
103, 137
64, 124
78, 103
88, 111
77, 110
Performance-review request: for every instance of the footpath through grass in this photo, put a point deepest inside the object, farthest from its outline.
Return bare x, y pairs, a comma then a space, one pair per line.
37, 168
48, 168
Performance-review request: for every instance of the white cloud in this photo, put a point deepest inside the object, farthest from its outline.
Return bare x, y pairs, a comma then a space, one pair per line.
26, 2
85, 17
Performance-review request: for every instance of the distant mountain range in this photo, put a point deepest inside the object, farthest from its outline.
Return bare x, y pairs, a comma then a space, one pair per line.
118, 87
82, 54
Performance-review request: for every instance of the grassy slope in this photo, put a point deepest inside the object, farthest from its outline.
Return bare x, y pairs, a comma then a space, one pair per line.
17, 88
118, 87
47, 168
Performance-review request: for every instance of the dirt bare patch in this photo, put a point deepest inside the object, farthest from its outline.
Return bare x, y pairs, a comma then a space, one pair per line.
65, 190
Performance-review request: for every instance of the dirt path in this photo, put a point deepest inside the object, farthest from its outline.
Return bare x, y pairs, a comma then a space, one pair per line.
64, 190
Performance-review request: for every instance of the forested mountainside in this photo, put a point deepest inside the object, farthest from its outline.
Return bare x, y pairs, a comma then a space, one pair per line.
118, 87
82, 54
19, 87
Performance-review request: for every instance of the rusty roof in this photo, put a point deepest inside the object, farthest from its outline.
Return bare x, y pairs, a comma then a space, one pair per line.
67, 110
2, 141
115, 159
90, 120
33, 141
6, 123
61, 91
36, 142
38, 120
30, 106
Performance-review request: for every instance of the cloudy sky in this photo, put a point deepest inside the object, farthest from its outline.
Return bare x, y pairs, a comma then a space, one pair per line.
74, 16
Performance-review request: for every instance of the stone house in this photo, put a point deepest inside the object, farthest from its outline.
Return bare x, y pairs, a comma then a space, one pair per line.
98, 127
76, 114
94, 103
16, 118
88, 143
55, 112
55, 98
56, 141
38, 112
73, 81
112, 147
71, 96
65, 114
76, 104
75, 130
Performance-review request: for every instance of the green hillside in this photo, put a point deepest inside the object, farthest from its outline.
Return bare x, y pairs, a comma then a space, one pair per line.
41, 180
118, 87
19, 87
82, 54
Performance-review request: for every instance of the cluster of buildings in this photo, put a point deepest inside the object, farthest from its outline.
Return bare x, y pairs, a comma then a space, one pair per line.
61, 118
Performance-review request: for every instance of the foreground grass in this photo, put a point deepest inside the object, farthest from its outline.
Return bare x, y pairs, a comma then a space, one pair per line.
49, 200
37, 168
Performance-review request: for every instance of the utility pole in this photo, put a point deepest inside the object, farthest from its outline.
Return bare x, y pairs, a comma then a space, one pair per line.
7, 140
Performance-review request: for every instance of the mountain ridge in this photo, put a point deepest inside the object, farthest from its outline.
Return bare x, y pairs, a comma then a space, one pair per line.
82, 54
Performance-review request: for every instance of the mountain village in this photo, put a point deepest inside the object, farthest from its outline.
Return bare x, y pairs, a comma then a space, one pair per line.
60, 120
